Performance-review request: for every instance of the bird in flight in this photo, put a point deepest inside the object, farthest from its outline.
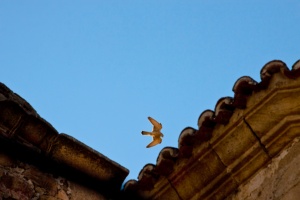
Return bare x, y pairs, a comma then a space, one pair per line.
156, 134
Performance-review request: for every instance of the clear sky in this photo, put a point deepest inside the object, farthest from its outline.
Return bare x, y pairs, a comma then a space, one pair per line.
97, 69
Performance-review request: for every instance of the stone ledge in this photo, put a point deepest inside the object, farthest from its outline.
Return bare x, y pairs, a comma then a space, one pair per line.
233, 142
20, 125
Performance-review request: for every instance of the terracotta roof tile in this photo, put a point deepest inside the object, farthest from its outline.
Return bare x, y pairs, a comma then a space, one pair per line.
223, 110
166, 160
206, 123
147, 177
243, 88
296, 66
186, 141
271, 68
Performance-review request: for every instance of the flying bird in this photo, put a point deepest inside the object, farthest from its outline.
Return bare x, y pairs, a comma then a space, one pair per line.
156, 134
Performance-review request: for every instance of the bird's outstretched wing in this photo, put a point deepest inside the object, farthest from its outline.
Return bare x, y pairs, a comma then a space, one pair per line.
154, 142
156, 126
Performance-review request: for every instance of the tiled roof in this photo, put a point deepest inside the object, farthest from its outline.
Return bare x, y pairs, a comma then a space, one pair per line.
231, 143
25, 130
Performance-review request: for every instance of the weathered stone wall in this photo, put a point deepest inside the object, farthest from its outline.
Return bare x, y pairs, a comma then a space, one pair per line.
279, 180
19, 180
38, 162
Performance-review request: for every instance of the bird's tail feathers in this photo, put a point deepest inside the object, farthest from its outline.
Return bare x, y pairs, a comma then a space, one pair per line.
146, 133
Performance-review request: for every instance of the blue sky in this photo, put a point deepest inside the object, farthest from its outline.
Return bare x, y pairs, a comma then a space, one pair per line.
97, 69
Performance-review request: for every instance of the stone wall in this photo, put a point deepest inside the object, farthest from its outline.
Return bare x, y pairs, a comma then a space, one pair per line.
38, 162
279, 180
19, 180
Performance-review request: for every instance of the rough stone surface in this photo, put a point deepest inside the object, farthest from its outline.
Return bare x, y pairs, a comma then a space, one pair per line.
20, 180
80, 192
279, 180
37, 162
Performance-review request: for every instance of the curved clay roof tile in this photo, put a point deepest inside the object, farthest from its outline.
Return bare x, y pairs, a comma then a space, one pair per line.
130, 185
296, 65
295, 72
244, 85
167, 153
206, 123
205, 117
147, 177
223, 110
186, 141
243, 88
271, 68
166, 160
